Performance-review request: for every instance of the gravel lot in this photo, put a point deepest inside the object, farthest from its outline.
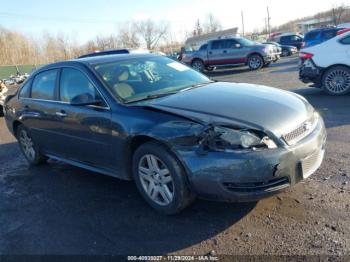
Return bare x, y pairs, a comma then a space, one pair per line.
60, 209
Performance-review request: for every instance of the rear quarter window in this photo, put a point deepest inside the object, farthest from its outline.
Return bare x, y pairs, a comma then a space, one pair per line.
24, 92
311, 36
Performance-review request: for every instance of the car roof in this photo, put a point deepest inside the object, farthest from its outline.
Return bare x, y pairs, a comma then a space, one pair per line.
96, 60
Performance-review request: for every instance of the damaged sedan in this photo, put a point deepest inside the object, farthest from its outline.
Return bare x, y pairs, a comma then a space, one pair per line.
175, 132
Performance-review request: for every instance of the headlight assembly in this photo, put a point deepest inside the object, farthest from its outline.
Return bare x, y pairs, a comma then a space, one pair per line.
222, 138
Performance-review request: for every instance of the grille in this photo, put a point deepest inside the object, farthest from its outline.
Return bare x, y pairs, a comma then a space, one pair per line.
310, 164
300, 131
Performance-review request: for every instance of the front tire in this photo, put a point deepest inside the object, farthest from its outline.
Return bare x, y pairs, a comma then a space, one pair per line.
161, 179
198, 65
29, 148
255, 62
285, 53
336, 80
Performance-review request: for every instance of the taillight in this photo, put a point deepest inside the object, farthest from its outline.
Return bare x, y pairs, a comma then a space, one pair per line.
304, 55
342, 31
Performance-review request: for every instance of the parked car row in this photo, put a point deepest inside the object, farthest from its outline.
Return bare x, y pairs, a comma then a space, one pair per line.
15, 79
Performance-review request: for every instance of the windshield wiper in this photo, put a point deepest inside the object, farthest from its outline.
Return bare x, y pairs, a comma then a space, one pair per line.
149, 97
196, 85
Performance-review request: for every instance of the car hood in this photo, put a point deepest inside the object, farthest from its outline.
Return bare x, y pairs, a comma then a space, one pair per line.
241, 105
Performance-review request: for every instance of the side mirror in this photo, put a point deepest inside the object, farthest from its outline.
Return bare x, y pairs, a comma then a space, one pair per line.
238, 46
85, 100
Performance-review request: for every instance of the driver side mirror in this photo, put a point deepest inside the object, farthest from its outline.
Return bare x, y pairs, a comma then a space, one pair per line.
237, 46
85, 100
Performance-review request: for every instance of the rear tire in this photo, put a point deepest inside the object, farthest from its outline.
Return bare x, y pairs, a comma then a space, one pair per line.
255, 62
28, 147
336, 81
161, 179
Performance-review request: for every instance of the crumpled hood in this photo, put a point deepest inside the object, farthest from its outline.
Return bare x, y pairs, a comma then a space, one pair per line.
244, 105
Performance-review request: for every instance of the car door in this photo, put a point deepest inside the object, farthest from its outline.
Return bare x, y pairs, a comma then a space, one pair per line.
84, 120
38, 109
217, 53
235, 52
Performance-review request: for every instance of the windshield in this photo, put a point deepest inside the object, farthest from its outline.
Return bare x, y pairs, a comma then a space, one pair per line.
245, 42
148, 77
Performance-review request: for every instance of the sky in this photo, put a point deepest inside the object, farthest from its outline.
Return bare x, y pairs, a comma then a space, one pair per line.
84, 19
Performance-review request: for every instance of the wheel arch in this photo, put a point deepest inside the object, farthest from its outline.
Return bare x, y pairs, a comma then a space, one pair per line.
15, 126
137, 141
325, 69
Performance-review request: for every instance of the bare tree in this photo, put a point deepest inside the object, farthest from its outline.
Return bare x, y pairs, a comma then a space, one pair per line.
198, 30
337, 13
151, 32
127, 36
211, 24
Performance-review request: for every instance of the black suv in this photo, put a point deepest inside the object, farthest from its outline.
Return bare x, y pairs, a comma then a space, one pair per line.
292, 40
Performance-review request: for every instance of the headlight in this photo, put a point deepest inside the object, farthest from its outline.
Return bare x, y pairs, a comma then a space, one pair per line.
226, 138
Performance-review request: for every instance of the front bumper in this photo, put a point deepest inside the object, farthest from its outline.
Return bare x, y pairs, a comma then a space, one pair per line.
309, 72
249, 176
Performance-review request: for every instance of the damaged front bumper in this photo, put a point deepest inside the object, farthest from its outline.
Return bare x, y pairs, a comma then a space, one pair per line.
251, 175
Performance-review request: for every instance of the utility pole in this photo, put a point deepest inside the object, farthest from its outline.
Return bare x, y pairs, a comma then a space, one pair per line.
268, 22
242, 23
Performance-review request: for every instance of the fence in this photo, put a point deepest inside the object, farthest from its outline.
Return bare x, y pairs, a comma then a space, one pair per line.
6, 71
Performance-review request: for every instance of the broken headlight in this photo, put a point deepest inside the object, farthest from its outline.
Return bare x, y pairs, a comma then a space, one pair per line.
222, 138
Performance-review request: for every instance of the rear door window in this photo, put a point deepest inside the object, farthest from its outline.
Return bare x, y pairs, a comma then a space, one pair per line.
44, 85
217, 45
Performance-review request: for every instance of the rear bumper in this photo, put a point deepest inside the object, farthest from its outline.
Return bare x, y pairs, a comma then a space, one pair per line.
250, 176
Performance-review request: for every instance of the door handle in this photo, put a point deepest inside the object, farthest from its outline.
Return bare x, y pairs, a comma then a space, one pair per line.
61, 114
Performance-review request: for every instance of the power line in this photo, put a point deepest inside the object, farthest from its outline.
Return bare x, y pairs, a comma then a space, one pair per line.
57, 19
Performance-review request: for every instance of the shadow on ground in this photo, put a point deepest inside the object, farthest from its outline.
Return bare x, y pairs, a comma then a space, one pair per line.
60, 209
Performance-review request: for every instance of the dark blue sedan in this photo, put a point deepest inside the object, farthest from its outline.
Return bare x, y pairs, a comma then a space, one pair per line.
172, 130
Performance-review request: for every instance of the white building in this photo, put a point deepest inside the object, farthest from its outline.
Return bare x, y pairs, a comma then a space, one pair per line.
311, 24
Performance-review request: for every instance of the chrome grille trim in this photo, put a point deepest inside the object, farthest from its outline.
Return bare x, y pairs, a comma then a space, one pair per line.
301, 131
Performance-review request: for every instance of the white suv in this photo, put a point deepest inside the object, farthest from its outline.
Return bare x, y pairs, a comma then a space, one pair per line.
327, 65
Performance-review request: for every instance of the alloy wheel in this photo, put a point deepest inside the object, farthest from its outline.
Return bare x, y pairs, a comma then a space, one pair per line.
156, 179
338, 81
27, 145
198, 65
255, 62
